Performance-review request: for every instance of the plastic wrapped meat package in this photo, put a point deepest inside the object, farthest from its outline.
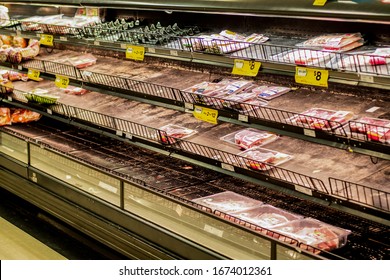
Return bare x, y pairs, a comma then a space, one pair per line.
225, 42
174, 132
314, 233
375, 129
266, 216
334, 42
304, 57
82, 61
5, 116
249, 137
270, 92
263, 159
24, 116
227, 202
322, 119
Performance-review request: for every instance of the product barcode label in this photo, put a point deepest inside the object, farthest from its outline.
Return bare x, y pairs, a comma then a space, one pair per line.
309, 132
243, 118
213, 230
303, 190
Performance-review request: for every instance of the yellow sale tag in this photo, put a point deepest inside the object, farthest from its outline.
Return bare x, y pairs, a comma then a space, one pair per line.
206, 114
311, 76
135, 52
46, 39
319, 2
246, 67
61, 81
33, 74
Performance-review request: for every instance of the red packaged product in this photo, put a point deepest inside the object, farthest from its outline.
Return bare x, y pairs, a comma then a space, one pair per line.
24, 116
5, 116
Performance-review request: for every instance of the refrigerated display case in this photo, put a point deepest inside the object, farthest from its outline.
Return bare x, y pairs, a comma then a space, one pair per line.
107, 155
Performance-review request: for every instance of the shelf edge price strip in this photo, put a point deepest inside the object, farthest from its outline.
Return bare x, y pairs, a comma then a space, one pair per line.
46, 39
311, 76
319, 2
246, 67
206, 114
61, 81
33, 75
135, 52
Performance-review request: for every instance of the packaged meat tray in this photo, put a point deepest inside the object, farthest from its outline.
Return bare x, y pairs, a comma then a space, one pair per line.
82, 61
24, 116
375, 129
314, 233
271, 92
322, 119
249, 137
227, 202
266, 216
263, 159
304, 57
175, 132
5, 116
335, 42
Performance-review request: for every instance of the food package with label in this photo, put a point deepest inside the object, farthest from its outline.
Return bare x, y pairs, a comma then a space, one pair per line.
75, 90
322, 119
376, 129
263, 159
41, 96
270, 92
314, 233
24, 116
267, 216
82, 61
249, 137
304, 57
334, 42
175, 132
227, 202
5, 116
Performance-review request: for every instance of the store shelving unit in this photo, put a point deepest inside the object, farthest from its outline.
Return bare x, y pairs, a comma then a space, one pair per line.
358, 199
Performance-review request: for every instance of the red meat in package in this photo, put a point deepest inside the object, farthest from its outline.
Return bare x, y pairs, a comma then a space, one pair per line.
5, 116
249, 138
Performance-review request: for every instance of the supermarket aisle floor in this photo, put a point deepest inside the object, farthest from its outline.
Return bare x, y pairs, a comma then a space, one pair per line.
16, 244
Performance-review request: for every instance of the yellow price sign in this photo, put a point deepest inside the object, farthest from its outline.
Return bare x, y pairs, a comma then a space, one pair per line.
135, 52
33, 74
46, 39
246, 67
61, 81
206, 114
311, 76
319, 2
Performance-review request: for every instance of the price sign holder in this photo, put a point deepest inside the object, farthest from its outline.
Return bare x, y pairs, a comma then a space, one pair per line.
61, 81
311, 76
33, 74
319, 2
135, 53
46, 40
246, 67
206, 114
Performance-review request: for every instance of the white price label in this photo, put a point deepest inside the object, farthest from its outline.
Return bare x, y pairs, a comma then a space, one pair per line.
189, 106
129, 135
152, 50
367, 78
87, 74
179, 210
9, 98
49, 111
96, 43
174, 53
309, 132
123, 46
213, 230
20, 67
64, 39
227, 166
303, 190
243, 118
119, 133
